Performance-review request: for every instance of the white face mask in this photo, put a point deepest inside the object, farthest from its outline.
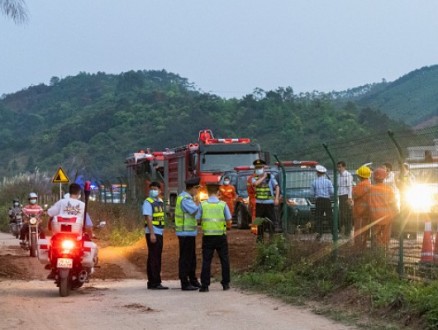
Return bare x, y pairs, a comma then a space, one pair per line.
226, 182
32, 201
259, 171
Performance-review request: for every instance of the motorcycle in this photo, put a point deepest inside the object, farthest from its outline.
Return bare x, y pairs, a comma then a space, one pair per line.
69, 253
31, 240
16, 225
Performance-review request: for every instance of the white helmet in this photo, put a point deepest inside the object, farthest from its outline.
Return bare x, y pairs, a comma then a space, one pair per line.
32, 195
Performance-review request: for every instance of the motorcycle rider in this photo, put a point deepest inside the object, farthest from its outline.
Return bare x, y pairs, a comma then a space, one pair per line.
14, 210
71, 205
30, 210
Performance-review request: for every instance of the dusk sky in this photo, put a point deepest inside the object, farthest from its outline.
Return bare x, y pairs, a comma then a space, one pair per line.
227, 47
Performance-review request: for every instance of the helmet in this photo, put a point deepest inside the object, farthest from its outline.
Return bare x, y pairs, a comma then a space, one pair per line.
15, 200
379, 174
364, 172
32, 195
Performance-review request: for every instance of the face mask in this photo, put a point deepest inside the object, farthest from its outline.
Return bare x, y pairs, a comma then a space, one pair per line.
226, 182
32, 201
153, 193
16, 204
259, 171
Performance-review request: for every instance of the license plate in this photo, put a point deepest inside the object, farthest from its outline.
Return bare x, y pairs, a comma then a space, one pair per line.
64, 263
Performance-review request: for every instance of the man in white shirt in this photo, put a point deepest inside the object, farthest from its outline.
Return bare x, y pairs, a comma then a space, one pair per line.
345, 196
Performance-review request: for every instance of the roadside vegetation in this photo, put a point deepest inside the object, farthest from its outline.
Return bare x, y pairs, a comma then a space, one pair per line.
355, 287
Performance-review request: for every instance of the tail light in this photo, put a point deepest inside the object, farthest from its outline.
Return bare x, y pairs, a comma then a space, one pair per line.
67, 245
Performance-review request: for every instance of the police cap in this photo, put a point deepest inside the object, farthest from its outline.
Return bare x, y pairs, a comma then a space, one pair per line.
320, 169
192, 182
259, 163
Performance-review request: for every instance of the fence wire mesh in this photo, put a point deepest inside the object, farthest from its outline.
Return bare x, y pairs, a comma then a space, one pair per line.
413, 245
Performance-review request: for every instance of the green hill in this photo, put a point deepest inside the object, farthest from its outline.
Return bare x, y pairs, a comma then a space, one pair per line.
412, 98
89, 123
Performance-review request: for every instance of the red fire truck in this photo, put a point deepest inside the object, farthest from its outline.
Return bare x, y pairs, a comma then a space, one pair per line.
208, 159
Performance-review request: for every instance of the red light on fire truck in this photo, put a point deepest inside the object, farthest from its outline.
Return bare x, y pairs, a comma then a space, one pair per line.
298, 163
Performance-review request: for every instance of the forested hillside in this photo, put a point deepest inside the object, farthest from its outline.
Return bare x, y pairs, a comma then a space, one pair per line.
89, 123
412, 98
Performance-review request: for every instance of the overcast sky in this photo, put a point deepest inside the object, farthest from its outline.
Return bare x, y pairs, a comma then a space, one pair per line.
225, 47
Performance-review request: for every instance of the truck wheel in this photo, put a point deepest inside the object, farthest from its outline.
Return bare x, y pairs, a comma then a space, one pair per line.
241, 218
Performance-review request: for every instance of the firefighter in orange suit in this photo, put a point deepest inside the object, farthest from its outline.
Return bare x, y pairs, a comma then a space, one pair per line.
227, 193
382, 208
360, 207
251, 197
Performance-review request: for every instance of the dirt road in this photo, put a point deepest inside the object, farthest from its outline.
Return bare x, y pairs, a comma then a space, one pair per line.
30, 301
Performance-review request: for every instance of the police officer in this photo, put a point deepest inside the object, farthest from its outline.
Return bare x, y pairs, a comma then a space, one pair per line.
214, 215
186, 230
153, 212
267, 194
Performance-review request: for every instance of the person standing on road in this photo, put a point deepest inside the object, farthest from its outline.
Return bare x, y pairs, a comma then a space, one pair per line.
382, 207
267, 194
153, 211
214, 215
322, 189
345, 189
227, 193
360, 208
186, 230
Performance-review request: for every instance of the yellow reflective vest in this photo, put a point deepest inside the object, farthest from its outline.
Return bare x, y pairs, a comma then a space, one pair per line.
157, 212
183, 221
213, 218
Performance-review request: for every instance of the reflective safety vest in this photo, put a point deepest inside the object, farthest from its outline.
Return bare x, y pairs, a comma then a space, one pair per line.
213, 218
262, 191
157, 212
183, 221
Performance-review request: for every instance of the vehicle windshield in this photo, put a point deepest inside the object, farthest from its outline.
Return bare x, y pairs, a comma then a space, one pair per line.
242, 189
298, 182
221, 162
424, 175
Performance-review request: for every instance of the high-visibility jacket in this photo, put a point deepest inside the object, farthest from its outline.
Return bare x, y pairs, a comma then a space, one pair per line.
382, 203
361, 199
157, 212
263, 191
213, 218
228, 195
183, 221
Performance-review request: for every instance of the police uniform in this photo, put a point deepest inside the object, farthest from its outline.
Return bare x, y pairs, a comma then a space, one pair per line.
154, 208
186, 231
264, 196
214, 214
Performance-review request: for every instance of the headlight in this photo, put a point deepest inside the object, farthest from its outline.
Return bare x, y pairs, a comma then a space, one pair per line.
203, 196
420, 198
33, 221
297, 201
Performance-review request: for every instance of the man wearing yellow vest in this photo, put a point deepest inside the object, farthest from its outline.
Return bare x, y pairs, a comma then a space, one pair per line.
214, 215
153, 212
186, 227
267, 194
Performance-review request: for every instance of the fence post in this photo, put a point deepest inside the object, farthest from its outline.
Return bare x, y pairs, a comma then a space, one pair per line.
402, 214
335, 205
283, 190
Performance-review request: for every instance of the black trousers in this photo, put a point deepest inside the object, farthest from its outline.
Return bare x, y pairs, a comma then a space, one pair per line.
209, 245
187, 259
266, 211
153, 264
345, 214
323, 209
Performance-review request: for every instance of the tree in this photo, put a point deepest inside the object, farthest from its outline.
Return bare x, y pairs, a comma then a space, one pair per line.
15, 9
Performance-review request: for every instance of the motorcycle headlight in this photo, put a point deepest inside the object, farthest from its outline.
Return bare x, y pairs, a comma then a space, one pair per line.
420, 198
33, 221
296, 201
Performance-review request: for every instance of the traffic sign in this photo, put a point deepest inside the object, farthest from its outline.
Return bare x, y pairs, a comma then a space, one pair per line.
60, 177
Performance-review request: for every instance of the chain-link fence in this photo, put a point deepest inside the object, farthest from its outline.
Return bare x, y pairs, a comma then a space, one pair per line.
411, 158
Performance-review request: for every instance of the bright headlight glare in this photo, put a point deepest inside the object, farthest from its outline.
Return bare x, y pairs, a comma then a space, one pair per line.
203, 196
420, 198
33, 221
